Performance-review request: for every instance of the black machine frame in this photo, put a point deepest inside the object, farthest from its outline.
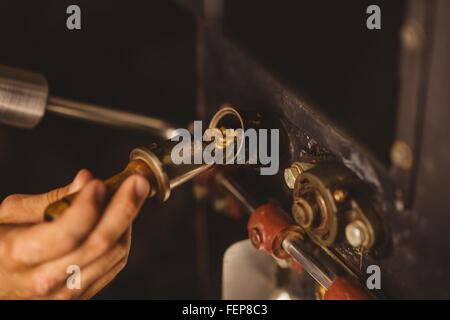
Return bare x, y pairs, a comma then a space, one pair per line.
413, 195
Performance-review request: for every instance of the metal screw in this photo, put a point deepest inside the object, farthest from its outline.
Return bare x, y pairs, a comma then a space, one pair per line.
357, 234
401, 155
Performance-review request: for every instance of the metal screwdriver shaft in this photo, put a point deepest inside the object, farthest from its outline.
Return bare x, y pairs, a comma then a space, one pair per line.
24, 99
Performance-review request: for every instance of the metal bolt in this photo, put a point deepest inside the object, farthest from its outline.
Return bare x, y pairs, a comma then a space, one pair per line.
357, 234
401, 155
296, 169
339, 195
255, 238
290, 175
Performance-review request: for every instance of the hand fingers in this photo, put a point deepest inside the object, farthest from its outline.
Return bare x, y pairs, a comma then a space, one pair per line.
35, 284
117, 217
20, 208
103, 281
99, 273
47, 241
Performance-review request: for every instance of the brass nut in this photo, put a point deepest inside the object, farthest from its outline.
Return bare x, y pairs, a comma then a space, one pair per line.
296, 169
302, 213
290, 175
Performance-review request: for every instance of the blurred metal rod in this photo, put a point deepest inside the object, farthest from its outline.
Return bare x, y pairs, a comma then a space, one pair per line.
316, 262
110, 117
247, 202
313, 261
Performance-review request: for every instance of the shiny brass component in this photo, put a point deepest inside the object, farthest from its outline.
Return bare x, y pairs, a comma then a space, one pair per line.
320, 292
291, 173
302, 213
155, 163
316, 209
331, 203
339, 195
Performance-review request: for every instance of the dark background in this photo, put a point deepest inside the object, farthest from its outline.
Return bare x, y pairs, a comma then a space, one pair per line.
134, 55
323, 50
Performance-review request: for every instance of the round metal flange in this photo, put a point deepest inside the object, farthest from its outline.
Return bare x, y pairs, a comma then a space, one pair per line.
317, 202
161, 179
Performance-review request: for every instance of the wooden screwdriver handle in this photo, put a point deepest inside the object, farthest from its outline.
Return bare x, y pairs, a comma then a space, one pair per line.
55, 209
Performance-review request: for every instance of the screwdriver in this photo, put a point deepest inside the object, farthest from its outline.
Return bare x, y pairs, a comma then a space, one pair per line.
155, 163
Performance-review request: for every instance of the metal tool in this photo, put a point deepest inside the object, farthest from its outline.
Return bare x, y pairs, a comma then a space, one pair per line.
24, 99
155, 163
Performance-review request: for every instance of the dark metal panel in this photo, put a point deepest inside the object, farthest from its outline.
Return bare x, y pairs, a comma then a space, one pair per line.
420, 259
415, 57
233, 76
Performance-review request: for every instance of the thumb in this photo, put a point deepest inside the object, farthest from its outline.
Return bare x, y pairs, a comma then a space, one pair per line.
23, 208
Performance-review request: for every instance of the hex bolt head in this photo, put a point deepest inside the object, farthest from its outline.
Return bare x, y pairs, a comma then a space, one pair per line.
290, 175
296, 169
357, 234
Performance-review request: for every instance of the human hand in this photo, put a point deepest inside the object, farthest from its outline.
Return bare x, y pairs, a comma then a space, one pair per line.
35, 255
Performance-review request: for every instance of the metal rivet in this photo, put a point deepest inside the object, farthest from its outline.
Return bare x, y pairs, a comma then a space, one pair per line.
356, 234
412, 35
401, 155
